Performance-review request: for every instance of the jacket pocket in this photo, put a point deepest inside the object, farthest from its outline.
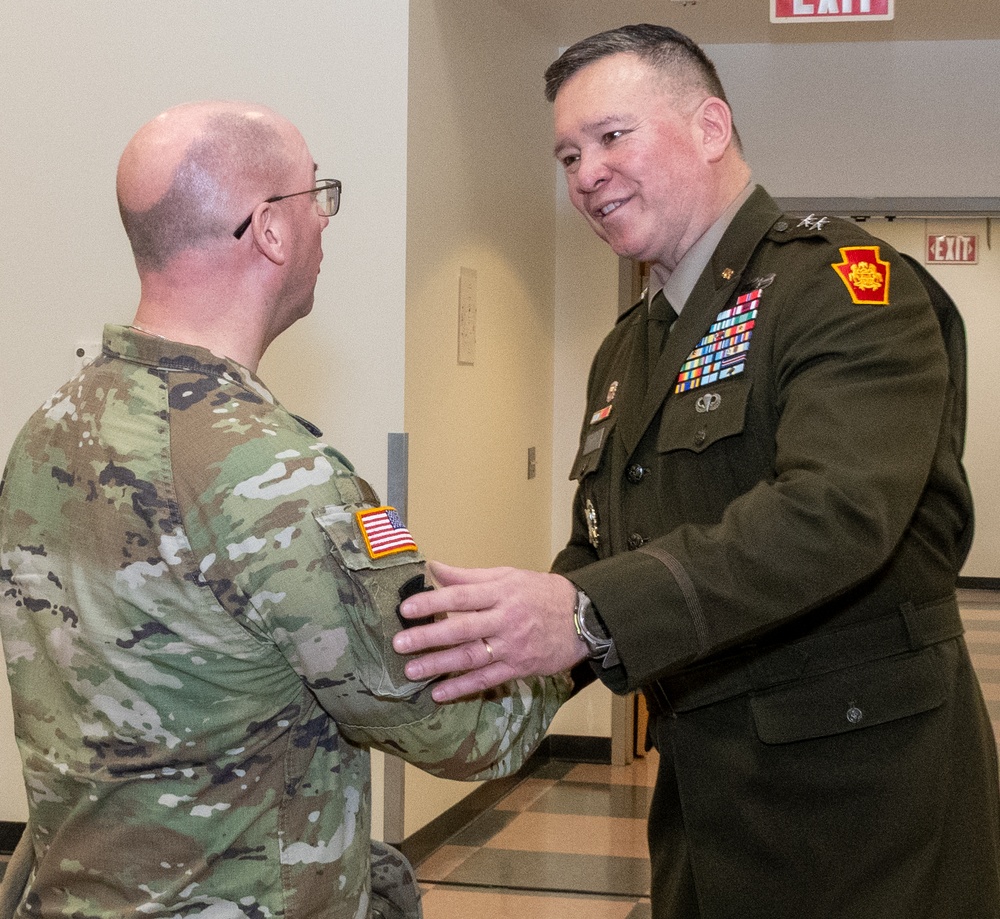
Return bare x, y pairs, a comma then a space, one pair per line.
377, 582
701, 417
851, 699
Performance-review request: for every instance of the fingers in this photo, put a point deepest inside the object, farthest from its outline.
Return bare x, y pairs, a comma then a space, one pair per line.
459, 590
502, 624
455, 630
470, 684
474, 655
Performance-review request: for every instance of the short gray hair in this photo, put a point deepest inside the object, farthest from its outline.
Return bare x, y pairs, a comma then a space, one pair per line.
235, 151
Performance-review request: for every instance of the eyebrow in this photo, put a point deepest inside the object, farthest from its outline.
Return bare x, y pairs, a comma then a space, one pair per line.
590, 127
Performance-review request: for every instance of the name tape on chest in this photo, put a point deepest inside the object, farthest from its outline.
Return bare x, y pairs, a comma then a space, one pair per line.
722, 352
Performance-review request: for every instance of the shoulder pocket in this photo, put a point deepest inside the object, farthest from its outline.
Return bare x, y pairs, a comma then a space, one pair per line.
378, 580
850, 700
697, 419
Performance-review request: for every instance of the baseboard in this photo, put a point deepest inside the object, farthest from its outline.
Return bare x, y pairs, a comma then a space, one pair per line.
978, 584
10, 835
575, 748
556, 747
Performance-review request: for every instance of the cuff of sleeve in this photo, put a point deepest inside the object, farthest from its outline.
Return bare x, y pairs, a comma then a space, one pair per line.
645, 611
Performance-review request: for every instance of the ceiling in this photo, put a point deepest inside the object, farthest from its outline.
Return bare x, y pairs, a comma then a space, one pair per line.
748, 21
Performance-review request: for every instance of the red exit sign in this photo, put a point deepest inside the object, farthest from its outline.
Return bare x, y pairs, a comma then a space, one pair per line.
953, 250
830, 10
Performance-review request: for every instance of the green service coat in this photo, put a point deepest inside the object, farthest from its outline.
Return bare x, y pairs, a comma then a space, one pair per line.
774, 550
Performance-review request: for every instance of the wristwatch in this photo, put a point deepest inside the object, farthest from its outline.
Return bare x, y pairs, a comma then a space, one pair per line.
590, 630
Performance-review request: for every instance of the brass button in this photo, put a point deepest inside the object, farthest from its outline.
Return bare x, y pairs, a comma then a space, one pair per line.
635, 473
855, 715
699, 437
636, 540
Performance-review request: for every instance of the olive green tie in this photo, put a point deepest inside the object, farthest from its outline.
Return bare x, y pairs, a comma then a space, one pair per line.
661, 318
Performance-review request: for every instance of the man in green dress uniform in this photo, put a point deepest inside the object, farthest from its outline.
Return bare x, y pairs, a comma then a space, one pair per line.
770, 519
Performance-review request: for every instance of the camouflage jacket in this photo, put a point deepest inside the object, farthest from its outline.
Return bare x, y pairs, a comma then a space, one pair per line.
197, 599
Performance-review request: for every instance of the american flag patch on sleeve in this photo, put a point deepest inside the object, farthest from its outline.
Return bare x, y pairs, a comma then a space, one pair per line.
384, 532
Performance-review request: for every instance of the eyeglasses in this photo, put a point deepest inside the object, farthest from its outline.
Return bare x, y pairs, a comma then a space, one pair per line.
327, 194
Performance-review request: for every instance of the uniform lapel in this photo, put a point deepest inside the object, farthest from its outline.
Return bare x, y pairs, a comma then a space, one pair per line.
716, 286
633, 384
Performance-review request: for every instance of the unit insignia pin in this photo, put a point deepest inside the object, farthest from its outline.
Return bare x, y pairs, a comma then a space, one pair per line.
593, 534
760, 283
727, 273
612, 392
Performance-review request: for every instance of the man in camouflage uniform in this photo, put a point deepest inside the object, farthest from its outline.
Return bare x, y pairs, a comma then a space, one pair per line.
197, 595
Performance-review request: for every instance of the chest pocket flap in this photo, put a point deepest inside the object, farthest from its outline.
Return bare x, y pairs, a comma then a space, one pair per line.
697, 419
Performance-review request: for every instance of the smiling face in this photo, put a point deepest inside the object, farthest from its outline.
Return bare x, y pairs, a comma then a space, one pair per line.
637, 157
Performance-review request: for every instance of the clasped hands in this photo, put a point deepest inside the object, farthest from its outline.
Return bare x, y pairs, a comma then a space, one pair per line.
501, 624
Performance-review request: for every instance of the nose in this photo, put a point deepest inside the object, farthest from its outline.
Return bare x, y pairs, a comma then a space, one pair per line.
592, 172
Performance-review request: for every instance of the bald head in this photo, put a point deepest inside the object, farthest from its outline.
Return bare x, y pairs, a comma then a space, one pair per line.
189, 176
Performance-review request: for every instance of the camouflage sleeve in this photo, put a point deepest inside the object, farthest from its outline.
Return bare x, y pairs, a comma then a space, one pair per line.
284, 552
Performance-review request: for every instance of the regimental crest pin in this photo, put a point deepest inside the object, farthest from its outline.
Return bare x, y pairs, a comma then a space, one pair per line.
593, 532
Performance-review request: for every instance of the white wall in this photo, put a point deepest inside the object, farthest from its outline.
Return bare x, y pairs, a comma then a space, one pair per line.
80, 77
867, 119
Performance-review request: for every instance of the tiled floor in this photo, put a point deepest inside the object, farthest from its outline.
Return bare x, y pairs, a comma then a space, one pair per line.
981, 615
570, 841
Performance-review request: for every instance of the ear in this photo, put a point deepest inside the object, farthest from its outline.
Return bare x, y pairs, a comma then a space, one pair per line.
716, 123
268, 233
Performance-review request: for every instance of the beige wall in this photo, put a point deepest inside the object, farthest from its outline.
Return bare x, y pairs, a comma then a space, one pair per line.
79, 78
479, 197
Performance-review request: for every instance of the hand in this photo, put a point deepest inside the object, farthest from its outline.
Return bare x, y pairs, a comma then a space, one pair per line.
504, 623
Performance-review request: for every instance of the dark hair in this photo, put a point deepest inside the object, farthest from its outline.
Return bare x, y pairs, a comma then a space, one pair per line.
233, 151
671, 52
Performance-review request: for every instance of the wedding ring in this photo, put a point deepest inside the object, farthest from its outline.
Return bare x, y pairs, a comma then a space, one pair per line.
489, 650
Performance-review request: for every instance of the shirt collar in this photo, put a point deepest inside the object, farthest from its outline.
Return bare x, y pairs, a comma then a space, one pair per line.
684, 277
139, 347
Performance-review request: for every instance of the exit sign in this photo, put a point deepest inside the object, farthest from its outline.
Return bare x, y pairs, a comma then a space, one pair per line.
952, 250
830, 10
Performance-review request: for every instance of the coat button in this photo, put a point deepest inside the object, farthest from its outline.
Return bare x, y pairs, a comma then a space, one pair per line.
635, 473
699, 437
855, 715
636, 540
